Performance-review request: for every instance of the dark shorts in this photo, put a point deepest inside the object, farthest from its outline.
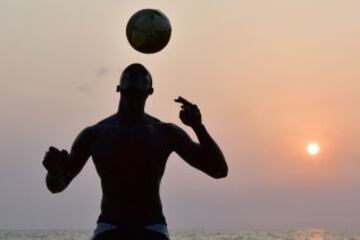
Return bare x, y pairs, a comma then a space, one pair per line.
130, 233
121, 234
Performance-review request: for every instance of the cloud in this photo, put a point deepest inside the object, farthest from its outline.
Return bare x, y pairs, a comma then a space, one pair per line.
82, 88
102, 71
86, 87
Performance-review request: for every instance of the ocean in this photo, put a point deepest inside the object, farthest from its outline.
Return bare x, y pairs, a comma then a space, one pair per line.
309, 234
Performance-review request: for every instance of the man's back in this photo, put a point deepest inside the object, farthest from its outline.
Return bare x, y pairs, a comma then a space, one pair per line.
130, 159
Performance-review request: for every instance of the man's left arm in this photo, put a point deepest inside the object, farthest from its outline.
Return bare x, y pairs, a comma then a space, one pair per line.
211, 151
206, 155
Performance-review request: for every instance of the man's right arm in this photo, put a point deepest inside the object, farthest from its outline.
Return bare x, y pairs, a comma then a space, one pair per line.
63, 167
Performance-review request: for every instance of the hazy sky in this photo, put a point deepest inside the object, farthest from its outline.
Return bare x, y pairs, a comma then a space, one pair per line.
268, 76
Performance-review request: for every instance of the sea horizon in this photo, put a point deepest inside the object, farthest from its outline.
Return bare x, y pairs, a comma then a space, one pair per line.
192, 234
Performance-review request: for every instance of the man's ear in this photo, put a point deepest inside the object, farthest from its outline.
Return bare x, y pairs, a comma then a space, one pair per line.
150, 91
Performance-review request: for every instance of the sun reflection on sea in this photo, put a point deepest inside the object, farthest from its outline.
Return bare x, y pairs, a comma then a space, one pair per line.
317, 234
311, 234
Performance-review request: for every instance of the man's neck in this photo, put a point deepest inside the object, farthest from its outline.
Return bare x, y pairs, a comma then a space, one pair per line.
130, 115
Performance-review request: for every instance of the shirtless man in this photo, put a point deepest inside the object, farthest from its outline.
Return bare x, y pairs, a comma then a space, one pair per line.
130, 149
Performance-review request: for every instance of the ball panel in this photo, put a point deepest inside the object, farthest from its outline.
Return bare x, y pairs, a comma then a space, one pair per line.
143, 23
153, 45
138, 38
160, 23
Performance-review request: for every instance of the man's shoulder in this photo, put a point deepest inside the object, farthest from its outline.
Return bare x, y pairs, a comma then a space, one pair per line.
87, 134
149, 119
172, 126
107, 121
153, 120
172, 129
168, 126
92, 130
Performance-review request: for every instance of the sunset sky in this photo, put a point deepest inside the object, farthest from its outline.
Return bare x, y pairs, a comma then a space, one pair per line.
270, 77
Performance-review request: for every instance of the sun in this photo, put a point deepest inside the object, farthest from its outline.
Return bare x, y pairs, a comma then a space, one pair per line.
313, 148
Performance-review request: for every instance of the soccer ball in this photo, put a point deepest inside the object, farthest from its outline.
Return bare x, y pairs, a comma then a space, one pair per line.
148, 30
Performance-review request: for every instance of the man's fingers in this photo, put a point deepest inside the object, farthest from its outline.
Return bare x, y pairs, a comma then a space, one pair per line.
53, 154
47, 162
179, 99
183, 101
190, 108
64, 153
185, 107
53, 149
48, 155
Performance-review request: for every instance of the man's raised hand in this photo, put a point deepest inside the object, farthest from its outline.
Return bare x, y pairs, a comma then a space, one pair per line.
190, 114
55, 160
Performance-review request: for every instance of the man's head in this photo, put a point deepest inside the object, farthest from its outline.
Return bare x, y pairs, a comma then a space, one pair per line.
135, 86
135, 77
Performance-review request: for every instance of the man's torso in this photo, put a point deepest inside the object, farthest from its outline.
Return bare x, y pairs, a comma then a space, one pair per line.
130, 160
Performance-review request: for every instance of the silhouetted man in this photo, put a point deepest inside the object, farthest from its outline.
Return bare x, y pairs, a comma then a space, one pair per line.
130, 150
